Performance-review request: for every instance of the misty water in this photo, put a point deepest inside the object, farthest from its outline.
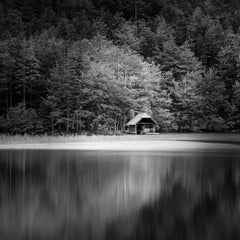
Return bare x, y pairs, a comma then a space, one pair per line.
70, 194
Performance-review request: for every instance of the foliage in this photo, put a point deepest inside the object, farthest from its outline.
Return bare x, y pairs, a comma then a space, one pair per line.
92, 65
20, 120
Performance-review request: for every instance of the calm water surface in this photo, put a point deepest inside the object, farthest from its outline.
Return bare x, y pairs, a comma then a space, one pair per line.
67, 194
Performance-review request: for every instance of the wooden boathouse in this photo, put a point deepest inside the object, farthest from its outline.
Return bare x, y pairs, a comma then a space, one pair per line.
142, 123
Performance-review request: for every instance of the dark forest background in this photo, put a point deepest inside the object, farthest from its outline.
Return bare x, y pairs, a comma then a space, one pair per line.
71, 66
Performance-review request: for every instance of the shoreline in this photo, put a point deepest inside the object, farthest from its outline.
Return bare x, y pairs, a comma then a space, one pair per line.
4, 139
160, 142
126, 146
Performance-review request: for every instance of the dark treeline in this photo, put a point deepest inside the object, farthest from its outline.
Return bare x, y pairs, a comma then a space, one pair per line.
89, 65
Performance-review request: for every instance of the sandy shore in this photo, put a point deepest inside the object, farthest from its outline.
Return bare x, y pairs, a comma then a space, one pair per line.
128, 146
160, 142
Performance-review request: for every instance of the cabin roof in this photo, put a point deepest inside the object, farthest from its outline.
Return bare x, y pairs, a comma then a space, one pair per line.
138, 118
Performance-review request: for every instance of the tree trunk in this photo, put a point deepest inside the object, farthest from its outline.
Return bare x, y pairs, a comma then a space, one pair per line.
68, 114
135, 9
80, 123
77, 123
10, 89
24, 83
125, 77
118, 67
52, 127
6, 100
115, 124
123, 124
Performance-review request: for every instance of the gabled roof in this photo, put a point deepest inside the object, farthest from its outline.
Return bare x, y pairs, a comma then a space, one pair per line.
139, 117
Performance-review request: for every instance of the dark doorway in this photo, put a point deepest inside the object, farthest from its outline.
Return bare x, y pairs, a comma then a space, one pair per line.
139, 129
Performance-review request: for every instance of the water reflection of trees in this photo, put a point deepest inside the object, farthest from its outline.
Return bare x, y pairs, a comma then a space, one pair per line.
136, 195
44, 192
201, 201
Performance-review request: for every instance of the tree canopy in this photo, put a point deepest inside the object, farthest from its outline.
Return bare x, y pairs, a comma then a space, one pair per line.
70, 66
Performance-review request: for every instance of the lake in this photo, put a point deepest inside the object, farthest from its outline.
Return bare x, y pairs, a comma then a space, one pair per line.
79, 194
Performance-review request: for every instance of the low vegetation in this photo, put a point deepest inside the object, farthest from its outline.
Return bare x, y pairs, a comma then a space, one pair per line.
211, 137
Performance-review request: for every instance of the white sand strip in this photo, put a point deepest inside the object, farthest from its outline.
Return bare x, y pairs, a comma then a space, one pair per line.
127, 146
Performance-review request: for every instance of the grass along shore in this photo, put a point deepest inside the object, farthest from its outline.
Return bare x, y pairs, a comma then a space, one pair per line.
233, 138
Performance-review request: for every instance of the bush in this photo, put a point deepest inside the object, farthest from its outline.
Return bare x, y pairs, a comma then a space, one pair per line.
20, 120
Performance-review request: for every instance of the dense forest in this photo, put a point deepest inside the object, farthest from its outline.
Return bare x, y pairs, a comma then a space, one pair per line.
74, 66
